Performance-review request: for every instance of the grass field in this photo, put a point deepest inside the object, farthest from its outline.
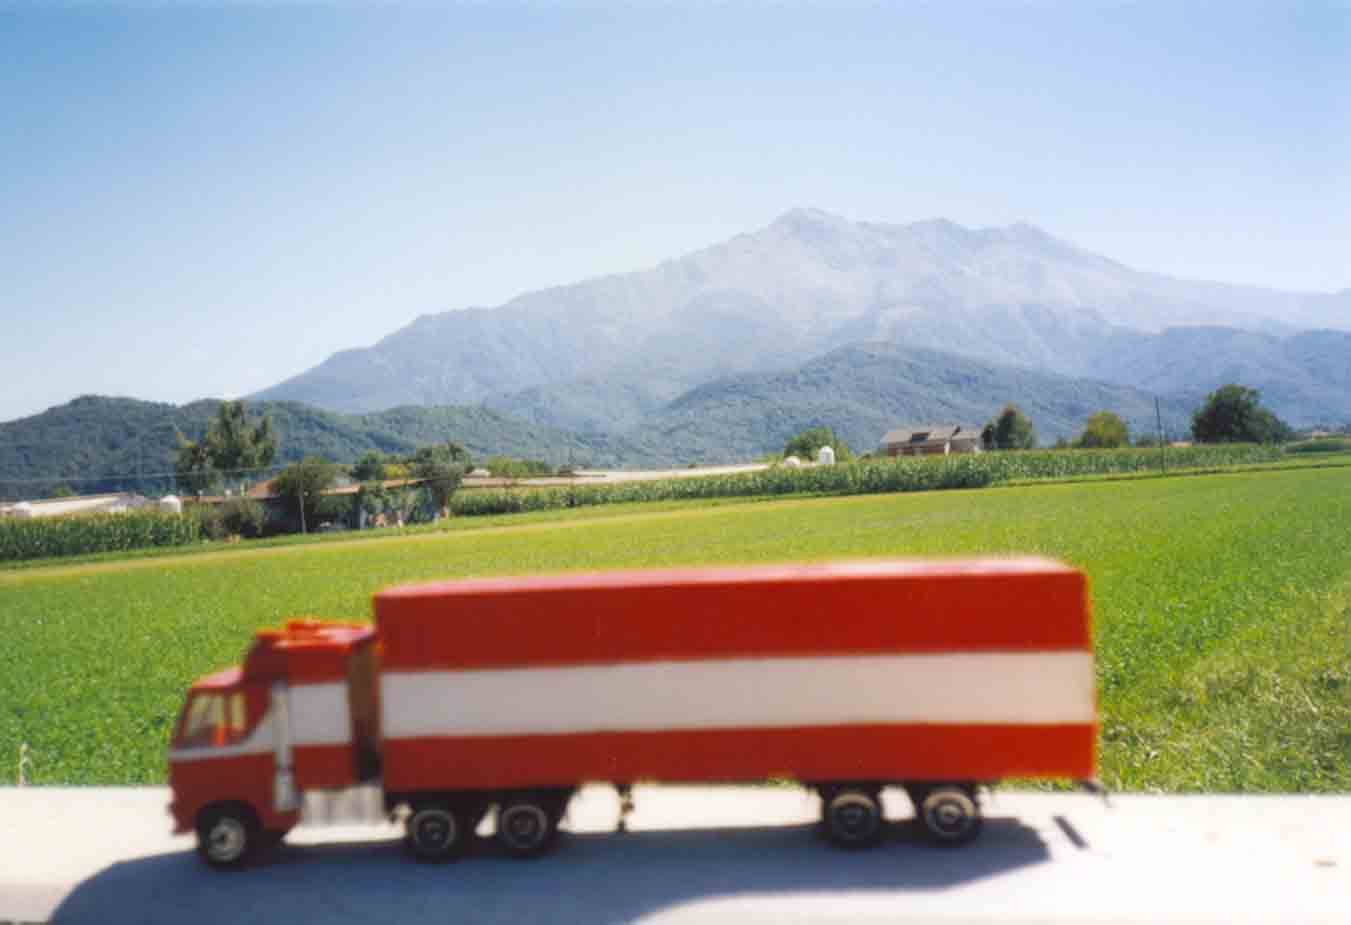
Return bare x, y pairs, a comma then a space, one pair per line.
1223, 605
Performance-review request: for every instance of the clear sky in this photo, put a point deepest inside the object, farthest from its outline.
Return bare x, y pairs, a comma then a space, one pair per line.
203, 199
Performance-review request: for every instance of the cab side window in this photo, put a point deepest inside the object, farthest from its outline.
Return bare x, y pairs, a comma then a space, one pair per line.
202, 720
214, 719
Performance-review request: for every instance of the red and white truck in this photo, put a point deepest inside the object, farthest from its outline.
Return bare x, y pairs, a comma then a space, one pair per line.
508, 693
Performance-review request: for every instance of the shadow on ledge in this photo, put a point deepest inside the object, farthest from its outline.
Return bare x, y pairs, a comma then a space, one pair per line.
591, 878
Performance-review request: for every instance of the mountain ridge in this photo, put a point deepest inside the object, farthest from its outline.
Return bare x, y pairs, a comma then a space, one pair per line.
803, 285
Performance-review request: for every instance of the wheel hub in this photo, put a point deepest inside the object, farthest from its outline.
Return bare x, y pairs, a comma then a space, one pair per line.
434, 831
226, 840
524, 827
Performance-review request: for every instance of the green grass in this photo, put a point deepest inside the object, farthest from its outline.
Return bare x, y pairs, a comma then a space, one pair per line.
1221, 605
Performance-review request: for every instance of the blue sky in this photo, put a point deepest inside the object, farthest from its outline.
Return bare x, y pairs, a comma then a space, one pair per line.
204, 199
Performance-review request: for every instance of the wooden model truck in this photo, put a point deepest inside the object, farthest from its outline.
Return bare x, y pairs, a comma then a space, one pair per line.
465, 696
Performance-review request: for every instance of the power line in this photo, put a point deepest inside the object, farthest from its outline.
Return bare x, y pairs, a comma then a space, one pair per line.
135, 476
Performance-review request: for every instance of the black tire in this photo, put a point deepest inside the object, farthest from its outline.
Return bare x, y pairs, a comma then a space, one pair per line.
228, 835
437, 832
528, 827
852, 817
949, 814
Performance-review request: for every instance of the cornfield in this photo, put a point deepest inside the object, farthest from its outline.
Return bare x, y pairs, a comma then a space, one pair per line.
872, 477
90, 533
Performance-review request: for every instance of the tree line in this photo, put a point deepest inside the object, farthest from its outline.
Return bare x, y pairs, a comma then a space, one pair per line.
396, 489
1231, 414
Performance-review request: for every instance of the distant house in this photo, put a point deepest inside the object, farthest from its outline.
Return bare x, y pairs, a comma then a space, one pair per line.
931, 440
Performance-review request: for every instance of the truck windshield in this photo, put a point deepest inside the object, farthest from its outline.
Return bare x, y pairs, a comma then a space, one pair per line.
213, 719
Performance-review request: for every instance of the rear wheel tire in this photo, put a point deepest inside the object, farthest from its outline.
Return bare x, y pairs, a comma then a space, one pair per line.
436, 832
227, 835
527, 828
852, 817
950, 814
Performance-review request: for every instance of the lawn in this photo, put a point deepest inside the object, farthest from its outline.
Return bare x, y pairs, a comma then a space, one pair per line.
1223, 607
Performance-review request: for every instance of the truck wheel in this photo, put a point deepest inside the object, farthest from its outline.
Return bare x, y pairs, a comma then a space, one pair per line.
437, 833
527, 828
852, 817
950, 815
227, 835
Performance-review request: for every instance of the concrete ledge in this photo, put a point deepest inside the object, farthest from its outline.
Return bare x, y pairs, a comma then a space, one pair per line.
738, 854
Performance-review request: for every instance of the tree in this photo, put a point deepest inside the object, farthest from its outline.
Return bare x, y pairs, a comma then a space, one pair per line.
506, 467
440, 469
300, 488
231, 445
1011, 430
1104, 429
372, 500
1234, 414
192, 467
806, 444
234, 445
371, 467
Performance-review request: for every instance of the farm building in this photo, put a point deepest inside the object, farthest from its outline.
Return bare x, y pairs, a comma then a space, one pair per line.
114, 503
931, 440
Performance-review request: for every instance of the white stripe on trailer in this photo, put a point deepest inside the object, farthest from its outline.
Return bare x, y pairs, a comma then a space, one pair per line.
1004, 688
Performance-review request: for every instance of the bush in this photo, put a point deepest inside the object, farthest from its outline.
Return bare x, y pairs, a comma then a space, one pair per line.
210, 520
241, 517
1104, 430
244, 517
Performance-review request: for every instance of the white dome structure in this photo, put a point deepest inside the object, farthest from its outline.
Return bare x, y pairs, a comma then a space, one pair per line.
171, 504
825, 456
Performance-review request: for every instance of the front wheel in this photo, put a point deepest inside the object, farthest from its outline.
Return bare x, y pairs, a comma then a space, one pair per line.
227, 835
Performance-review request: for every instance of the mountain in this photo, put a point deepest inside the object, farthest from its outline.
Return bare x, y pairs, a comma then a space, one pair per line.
1305, 378
102, 444
863, 390
600, 355
725, 353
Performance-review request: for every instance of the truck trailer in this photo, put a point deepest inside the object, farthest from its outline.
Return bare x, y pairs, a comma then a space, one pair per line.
506, 694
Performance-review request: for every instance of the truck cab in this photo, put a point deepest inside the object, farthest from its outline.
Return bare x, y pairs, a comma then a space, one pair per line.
301, 714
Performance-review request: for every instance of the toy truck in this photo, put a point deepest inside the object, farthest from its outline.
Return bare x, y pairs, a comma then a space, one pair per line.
506, 694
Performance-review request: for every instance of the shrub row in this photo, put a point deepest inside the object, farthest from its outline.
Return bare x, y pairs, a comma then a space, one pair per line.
79, 535
873, 477
1321, 445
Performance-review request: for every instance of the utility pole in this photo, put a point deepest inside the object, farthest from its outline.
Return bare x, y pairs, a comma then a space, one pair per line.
303, 530
1163, 452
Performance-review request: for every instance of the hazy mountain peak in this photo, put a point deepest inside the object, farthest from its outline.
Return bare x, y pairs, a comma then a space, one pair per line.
812, 224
